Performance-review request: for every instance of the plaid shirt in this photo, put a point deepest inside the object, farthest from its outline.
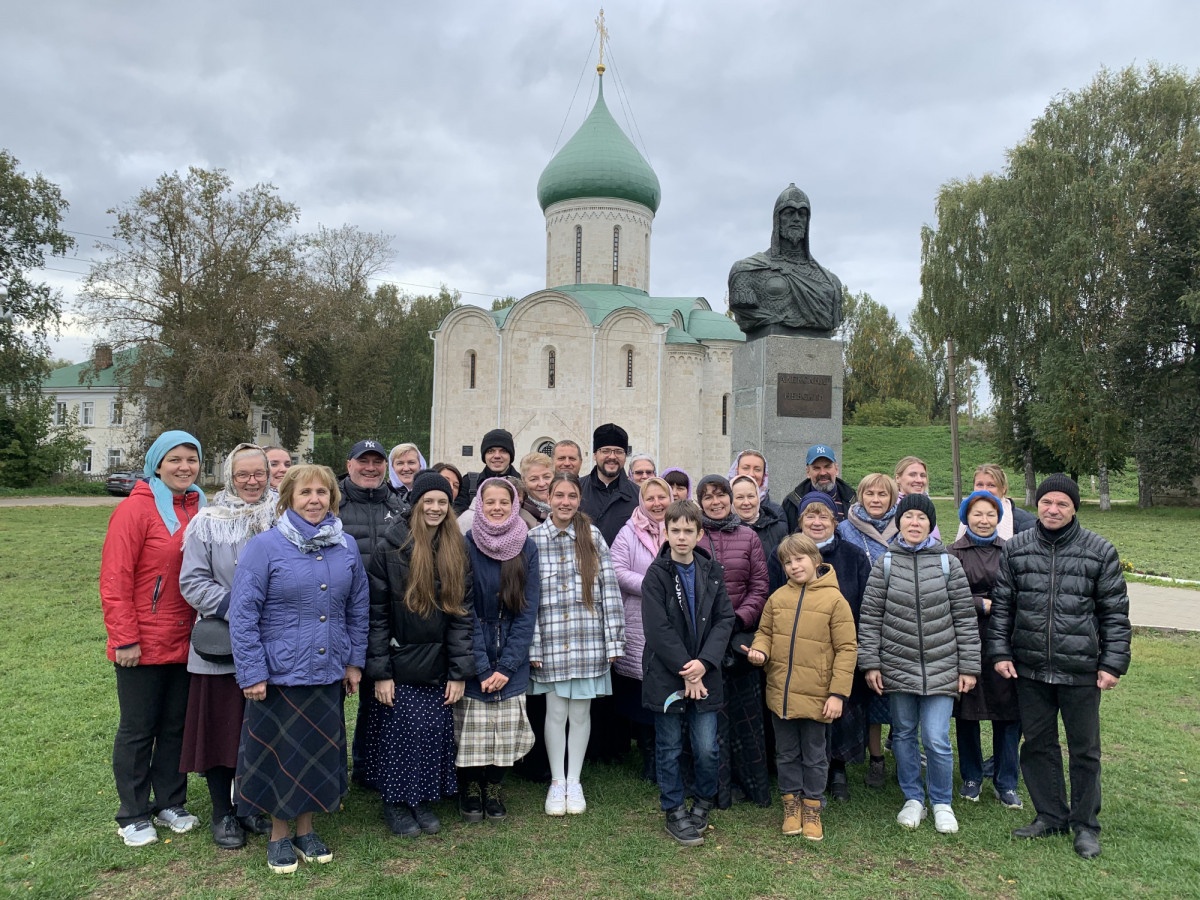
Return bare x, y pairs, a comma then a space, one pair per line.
569, 641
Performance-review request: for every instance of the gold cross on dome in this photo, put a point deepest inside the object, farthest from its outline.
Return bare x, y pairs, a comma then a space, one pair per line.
603, 37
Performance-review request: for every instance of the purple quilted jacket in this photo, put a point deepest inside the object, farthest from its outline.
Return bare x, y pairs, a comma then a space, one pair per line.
631, 558
741, 553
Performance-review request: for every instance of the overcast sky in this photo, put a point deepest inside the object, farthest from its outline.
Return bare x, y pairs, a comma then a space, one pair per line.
432, 122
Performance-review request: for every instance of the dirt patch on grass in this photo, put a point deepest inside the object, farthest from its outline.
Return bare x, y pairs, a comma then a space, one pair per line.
176, 880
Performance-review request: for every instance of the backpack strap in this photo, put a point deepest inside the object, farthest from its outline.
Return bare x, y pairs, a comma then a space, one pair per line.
946, 568
887, 569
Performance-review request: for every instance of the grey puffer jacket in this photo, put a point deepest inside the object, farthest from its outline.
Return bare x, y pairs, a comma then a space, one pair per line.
918, 629
1060, 608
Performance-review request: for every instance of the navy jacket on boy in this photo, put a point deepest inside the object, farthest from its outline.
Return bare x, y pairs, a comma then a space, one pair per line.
670, 640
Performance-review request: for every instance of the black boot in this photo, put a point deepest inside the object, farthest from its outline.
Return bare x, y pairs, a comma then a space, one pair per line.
400, 819
470, 802
700, 810
838, 785
493, 806
681, 827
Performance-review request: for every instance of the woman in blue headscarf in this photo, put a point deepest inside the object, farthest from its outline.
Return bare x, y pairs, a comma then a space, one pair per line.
149, 625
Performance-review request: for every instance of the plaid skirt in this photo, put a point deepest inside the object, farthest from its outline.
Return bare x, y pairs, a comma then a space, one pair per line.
491, 732
292, 758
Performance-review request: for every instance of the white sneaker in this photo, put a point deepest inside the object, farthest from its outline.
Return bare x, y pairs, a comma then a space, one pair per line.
138, 834
575, 802
912, 813
556, 799
943, 819
178, 819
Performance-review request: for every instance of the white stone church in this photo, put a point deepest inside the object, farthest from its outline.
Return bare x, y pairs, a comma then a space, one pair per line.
594, 346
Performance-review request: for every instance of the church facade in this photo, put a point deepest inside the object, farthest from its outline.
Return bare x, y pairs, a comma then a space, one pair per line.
594, 346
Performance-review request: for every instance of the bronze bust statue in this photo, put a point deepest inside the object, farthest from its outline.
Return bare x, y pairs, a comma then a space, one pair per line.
785, 290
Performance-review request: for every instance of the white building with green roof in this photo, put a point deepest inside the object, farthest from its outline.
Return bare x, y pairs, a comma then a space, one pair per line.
594, 346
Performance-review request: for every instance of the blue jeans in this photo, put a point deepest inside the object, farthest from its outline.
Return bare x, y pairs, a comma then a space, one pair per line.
1006, 736
668, 745
932, 716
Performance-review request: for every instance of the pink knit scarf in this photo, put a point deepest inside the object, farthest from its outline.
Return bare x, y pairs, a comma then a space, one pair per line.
499, 540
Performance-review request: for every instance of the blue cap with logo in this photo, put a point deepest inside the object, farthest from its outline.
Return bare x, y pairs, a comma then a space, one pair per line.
367, 447
816, 451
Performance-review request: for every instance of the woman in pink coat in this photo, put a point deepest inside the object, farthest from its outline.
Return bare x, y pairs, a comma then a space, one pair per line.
635, 547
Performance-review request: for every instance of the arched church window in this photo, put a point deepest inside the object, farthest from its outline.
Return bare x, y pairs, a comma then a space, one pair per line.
616, 251
546, 446
628, 367
550, 366
579, 254
471, 370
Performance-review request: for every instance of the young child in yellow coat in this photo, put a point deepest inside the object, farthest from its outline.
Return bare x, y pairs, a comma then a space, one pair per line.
806, 640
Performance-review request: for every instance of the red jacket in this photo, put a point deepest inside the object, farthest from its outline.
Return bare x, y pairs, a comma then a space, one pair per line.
139, 579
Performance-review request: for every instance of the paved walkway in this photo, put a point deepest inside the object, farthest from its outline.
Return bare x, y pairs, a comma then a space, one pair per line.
1158, 606
60, 501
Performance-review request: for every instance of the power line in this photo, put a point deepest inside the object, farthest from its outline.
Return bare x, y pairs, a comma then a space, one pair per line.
571, 105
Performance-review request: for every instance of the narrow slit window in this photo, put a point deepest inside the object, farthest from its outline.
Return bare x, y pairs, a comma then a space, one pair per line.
579, 254
471, 370
550, 369
629, 368
725, 414
616, 251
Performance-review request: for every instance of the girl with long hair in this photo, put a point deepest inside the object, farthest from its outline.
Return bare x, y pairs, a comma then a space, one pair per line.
580, 632
419, 655
491, 721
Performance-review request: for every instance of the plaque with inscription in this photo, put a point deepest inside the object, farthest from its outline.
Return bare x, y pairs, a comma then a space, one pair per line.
804, 396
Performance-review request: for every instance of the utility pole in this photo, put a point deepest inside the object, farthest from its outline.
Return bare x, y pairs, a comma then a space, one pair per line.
953, 401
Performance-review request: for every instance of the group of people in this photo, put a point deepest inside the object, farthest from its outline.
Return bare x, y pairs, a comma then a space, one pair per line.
531, 615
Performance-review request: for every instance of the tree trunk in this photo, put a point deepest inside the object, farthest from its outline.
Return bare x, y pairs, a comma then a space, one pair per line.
1030, 478
1145, 493
1102, 477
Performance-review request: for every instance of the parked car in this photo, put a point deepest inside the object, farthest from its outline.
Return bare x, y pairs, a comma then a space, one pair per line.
121, 483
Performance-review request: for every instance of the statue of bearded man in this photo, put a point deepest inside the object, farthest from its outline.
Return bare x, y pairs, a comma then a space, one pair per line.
785, 290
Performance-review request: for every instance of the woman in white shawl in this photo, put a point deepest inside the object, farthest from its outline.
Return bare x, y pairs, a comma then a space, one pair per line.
404, 462
211, 546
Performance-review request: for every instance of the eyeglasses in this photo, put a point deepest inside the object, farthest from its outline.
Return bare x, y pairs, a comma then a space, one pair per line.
245, 477
610, 451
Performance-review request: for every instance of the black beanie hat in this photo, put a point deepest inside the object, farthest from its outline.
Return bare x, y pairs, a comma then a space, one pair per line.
610, 435
425, 481
919, 502
498, 437
1060, 482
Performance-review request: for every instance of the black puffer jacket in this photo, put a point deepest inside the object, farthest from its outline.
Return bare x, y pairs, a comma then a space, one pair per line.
843, 498
1060, 610
367, 514
402, 645
671, 643
917, 627
771, 528
609, 506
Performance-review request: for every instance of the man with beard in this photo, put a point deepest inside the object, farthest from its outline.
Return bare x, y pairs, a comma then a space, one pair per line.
784, 288
822, 470
609, 497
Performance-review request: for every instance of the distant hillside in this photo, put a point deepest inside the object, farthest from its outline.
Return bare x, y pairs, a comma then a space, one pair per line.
867, 449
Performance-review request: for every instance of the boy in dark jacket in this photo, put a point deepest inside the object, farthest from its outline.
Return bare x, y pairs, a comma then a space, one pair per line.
688, 621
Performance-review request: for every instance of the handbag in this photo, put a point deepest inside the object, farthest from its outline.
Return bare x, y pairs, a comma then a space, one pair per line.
735, 660
210, 637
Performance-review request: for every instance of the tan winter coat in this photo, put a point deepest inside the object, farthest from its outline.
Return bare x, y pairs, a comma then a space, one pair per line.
807, 633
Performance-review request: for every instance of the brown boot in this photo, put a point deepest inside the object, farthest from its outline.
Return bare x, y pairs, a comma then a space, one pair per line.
811, 817
791, 814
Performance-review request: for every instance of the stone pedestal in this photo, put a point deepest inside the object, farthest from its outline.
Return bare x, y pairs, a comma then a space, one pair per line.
787, 396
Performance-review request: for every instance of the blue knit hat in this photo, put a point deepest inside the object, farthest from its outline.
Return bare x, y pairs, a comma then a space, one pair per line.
965, 506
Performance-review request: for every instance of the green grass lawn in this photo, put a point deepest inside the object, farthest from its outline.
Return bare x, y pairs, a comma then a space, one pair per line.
867, 449
58, 839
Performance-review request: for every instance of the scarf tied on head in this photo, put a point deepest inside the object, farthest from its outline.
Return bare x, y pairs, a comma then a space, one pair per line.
164, 500
229, 519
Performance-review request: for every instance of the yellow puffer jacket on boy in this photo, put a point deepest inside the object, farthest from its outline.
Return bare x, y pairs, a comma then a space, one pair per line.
808, 635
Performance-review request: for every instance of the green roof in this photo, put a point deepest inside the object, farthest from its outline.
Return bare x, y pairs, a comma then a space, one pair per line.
599, 161
706, 325
679, 336
74, 376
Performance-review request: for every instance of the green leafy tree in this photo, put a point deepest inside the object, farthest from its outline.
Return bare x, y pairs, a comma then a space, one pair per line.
31, 211
1159, 337
881, 360
209, 284
1030, 271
